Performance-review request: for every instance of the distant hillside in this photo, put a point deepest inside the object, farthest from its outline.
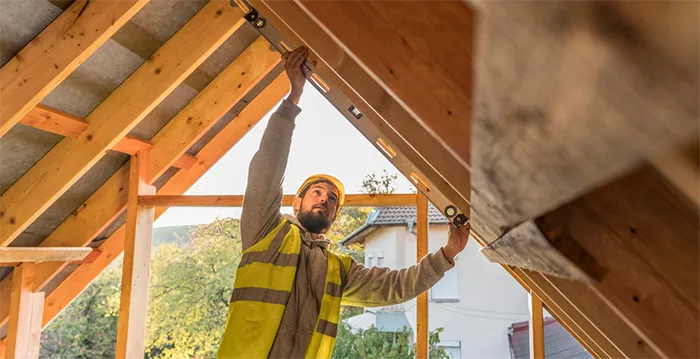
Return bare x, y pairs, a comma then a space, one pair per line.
172, 234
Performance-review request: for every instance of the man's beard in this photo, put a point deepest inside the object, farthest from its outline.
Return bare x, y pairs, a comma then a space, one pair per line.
314, 223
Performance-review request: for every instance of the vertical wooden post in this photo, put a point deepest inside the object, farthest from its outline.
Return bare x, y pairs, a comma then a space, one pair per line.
422, 300
536, 328
133, 305
26, 307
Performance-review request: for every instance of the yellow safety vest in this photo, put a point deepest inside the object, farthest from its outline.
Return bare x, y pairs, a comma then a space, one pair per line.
262, 287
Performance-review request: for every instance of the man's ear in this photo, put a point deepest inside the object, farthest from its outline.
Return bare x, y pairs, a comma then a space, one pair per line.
297, 204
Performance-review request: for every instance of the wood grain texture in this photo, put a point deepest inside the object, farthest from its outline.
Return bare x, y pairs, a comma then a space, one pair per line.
178, 184
133, 305
644, 233
24, 330
58, 50
385, 118
422, 342
109, 122
536, 327
423, 61
43, 254
54, 121
571, 95
351, 200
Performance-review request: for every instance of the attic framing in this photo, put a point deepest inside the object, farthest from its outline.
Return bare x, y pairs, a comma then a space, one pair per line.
483, 105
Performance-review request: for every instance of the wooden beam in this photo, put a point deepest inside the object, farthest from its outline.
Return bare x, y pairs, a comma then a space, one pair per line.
131, 332
109, 201
351, 200
24, 330
583, 312
384, 119
67, 290
51, 120
536, 327
58, 50
227, 89
682, 168
422, 342
42, 254
377, 34
560, 107
61, 167
643, 233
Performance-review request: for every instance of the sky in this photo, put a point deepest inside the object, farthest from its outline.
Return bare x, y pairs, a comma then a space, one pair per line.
323, 142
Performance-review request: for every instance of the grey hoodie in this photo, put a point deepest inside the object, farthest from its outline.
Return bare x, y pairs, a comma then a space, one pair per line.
364, 287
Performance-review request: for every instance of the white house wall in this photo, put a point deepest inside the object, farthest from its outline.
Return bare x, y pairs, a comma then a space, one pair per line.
489, 300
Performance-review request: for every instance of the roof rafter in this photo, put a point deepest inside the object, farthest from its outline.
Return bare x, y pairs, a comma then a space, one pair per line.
387, 119
58, 50
109, 201
178, 184
121, 111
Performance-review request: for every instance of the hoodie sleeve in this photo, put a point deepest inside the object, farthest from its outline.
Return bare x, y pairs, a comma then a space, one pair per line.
375, 287
263, 195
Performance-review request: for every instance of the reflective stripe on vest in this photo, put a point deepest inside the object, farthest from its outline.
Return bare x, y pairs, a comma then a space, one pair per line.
264, 281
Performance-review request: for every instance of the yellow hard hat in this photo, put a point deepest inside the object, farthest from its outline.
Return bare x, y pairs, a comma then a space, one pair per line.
324, 178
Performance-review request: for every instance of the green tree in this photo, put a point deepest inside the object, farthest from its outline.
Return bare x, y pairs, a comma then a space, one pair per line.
190, 290
88, 327
373, 344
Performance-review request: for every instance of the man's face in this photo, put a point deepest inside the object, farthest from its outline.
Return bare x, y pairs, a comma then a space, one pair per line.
317, 207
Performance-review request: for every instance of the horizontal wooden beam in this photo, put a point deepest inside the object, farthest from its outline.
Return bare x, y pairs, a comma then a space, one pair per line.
351, 200
43, 254
52, 120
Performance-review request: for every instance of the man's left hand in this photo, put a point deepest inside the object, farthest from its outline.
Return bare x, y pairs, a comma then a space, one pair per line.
456, 241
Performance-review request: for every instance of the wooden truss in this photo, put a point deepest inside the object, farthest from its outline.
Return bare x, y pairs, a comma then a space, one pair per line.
566, 132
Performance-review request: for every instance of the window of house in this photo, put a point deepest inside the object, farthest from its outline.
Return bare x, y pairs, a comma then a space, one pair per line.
453, 348
380, 259
447, 289
370, 259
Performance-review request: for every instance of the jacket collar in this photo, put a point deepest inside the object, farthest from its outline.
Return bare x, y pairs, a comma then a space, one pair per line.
308, 238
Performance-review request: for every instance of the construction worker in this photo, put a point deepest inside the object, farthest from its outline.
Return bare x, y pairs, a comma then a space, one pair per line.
289, 286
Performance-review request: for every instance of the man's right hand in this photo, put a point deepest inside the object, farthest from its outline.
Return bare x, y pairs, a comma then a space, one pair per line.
293, 62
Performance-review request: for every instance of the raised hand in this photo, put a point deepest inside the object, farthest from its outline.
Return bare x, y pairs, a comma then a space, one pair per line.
456, 241
293, 62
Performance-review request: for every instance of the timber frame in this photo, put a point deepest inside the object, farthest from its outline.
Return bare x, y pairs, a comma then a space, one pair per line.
567, 133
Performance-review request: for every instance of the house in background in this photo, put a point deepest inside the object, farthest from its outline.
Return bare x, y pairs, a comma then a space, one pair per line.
558, 343
476, 302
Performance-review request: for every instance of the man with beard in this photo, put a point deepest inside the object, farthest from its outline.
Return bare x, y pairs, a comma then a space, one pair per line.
289, 286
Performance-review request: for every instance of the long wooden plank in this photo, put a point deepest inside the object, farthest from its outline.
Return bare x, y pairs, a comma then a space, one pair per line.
644, 233
422, 341
51, 120
36, 190
351, 200
571, 95
109, 201
384, 119
214, 101
24, 330
42, 254
58, 50
536, 327
76, 282
419, 51
136, 270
